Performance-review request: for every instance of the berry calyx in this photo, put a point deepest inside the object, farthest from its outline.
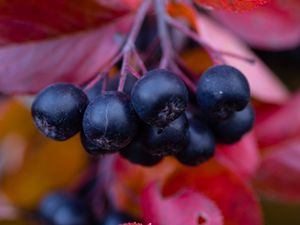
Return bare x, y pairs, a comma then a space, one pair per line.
110, 122
201, 144
58, 110
159, 97
221, 91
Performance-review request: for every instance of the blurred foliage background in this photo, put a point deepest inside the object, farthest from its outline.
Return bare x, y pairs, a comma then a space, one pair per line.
286, 65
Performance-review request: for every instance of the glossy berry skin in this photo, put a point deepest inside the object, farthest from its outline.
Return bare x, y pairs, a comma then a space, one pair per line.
159, 97
62, 209
110, 121
168, 140
58, 110
90, 147
136, 153
117, 218
221, 91
201, 144
232, 129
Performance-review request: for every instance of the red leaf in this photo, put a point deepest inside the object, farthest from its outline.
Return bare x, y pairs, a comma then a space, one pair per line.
242, 158
280, 125
278, 18
265, 86
233, 5
279, 172
49, 41
186, 207
26, 21
26, 68
236, 201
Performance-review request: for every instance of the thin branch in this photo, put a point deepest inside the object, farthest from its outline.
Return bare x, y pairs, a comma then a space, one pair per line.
216, 55
129, 45
133, 71
163, 33
139, 60
190, 84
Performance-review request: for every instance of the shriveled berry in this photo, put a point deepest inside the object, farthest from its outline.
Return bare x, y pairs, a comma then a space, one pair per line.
168, 140
110, 121
136, 153
221, 91
62, 209
232, 129
201, 144
159, 97
58, 110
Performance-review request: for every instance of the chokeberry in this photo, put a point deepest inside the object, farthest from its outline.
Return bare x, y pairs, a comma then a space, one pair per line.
110, 121
62, 209
159, 97
136, 153
90, 147
201, 144
168, 140
233, 128
116, 218
58, 110
221, 91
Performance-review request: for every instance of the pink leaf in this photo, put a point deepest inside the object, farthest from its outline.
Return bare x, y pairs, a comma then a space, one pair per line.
280, 124
279, 172
242, 158
264, 85
26, 68
186, 207
27, 21
275, 26
230, 193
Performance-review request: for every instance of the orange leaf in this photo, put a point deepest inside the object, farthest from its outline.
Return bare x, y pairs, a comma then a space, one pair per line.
45, 164
233, 5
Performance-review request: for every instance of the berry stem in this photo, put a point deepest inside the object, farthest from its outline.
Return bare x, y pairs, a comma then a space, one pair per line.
99, 76
163, 33
139, 60
183, 77
129, 44
216, 55
133, 71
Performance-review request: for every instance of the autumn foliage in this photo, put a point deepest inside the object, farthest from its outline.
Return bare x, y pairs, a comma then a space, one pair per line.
42, 42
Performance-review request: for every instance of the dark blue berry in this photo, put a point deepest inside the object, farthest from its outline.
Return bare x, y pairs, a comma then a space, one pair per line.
117, 218
201, 144
221, 91
159, 97
110, 122
136, 153
58, 110
232, 129
63, 209
90, 147
168, 140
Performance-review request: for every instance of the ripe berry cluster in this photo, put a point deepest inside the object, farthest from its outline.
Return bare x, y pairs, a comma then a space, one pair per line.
155, 120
